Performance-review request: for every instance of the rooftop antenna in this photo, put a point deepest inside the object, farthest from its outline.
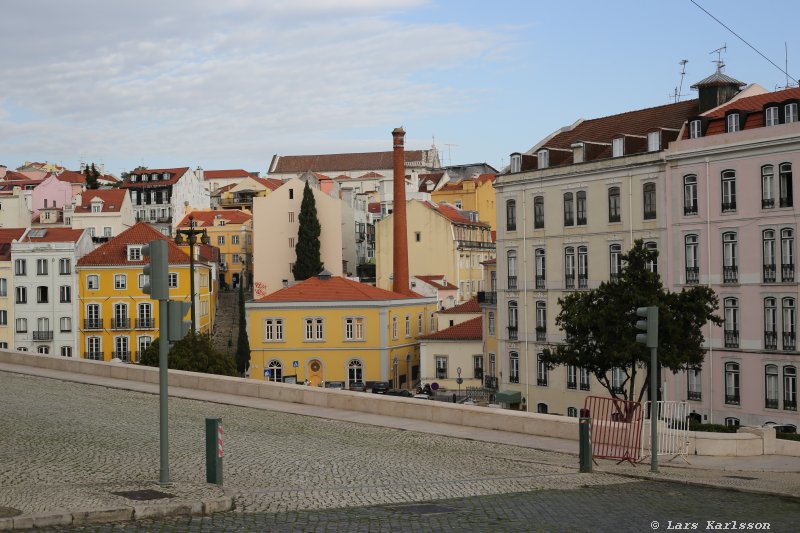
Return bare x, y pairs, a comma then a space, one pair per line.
718, 51
679, 90
449, 155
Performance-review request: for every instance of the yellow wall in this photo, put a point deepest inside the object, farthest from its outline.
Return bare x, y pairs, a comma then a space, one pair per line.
228, 249
7, 305
480, 198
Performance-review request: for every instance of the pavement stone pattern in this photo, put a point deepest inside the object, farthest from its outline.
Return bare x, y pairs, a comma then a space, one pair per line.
632, 507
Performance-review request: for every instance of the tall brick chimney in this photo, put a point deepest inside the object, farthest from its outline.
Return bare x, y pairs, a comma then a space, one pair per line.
400, 248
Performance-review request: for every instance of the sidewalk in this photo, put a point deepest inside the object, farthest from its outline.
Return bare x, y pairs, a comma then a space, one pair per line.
766, 474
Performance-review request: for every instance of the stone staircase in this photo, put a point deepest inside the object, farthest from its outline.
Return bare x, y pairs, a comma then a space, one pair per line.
227, 326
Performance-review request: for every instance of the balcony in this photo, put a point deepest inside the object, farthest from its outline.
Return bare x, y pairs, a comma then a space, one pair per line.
789, 341
730, 274
512, 283
477, 373
585, 385
790, 405
769, 273
568, 220
93, 323
95, 356
514, 378
99, 240
541, 382
512, 333
572, 385
124, 356
786, 201
540, 282
144, 323
121, 323
583, 281
541, 334
614, 218
692, 275
729, 207
787, 273
489, 298
694, 395
480, 245
569, 282
732, 399
771, 403
441, 373
767, 203
164, 219
42, 335
617, 390
731, 338
690, 209
770, 340
649, 215
581, 220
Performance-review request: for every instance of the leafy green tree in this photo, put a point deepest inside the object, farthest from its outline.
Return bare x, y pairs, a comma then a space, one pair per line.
308, 261
194, 353
91, 177
243, 343
600, 325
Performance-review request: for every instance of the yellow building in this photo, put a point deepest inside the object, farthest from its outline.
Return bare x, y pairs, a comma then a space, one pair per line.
473, 194
461, 243
231, 231
7, 236
328, 328
241, 195
117, 320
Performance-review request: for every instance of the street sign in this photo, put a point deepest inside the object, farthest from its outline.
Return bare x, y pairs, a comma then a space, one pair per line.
434, 386
459, 380
267, 372
295, 364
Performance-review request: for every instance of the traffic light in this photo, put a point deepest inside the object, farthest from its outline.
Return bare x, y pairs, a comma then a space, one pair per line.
157, 270
648, 325
176, 325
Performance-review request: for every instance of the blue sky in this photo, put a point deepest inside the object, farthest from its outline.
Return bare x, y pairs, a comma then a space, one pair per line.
229, 84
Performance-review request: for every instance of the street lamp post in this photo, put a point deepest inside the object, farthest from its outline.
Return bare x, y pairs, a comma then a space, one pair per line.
191, 237
459, 381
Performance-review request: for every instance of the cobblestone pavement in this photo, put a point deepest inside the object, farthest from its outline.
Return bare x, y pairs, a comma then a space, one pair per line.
632, 507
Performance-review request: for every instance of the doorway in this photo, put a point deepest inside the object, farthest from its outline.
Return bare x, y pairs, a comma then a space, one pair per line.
314, 372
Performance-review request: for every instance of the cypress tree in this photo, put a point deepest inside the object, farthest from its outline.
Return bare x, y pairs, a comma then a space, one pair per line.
308, 261
91, 177
242, 343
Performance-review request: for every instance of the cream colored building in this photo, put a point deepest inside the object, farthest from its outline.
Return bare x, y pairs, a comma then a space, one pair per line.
14, 209
104, 212
7, 237
275, 228
452, 353
441, 239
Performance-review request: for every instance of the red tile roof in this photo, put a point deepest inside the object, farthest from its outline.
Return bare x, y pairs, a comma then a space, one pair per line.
753, 108
470, 306
204, 219
269, 183
54, 235
370, 175
112, 200
115, 251
222, 174
70, 176
374, 207
433, 178
437, 282
471, 330
335, 288
486, 177
175, 175
452, 214
341, 162
226, 188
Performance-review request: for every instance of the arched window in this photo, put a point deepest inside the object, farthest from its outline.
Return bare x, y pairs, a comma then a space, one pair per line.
542, 373
770, 324
730, 257
540, 268
513, 367
771, 387
43, 349
785, 185
728, 191
511, 257
690, 194
538, 212
580, 200
732, 384
569, 267
583, 267
768, 255
652, 264
511, 215
692, 258
512, 320
731, 306
649, 190
541, 408
569, 210
355, 371
731, 421
790, 388
767, 187
614, 210
787, 255
274, 371
541, 321
789, 324
615, 266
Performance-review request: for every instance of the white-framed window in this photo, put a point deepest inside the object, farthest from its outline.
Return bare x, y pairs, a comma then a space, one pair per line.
491, 324
516, 162
3, 317
22, 295
767, 187
134, 253
693, 385
354, 329
41, 267
234, 239
93, 282
42, 294
695, 130
542, 373
618, 147
408, 325
94, 348
544, 158
64, 266
654, 141
771, 116
220, 239
22, 325
274, 371
3, 287
65, 323
732, 123
172, 280
419, 324
728, 191
65, 294
615, 261
66, 351
394, 327
732, 387
142, 280
144, 343
441, 367
790, 113
120, 281
314, 329
513, 367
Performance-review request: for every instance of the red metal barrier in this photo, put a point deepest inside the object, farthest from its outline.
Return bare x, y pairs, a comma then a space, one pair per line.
616, 428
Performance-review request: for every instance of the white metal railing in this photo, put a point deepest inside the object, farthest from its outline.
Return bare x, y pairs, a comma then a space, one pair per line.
673, 430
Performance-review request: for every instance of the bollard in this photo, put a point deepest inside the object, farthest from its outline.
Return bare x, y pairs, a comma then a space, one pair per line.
585, 443
214, 450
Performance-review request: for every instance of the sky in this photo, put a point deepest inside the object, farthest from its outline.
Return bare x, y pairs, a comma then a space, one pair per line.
229, 84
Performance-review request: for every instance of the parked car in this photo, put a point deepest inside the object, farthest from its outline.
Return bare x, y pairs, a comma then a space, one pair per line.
422, 396
380, 387
400, 392
358, 386
783, 428
334, 385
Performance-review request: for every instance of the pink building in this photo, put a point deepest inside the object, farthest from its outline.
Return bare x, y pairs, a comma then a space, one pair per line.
50, 193
732, 225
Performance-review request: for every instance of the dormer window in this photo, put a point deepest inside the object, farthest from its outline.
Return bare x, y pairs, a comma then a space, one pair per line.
145, 177
732, 122
654, 141
544, 158
135, 253
790, 113
694, 129
516, 163
771, 116
618, 147
96, 208
166, 176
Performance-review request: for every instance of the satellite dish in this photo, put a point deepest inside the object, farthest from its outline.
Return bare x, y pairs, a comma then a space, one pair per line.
434, 386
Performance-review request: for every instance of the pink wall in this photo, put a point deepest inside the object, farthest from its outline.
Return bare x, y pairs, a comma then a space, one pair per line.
56, 193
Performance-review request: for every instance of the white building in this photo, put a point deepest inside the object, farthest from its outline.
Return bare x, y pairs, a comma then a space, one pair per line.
104, 212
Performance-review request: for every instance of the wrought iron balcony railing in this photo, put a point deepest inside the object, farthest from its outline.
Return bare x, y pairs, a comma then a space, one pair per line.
790, 405
730, 274
732, 399
96, 356
93, 323
731, 338
121, 323
124, 356
569, 282
694, 395
145, 323
690, 209
512, 283
771, 403
485, 297
789, 341
770, 340
728, 207
769, 273
767, 203
787, 273
541, 382
42, 335
572, 384
692, 275
541, 335
583, 281
512, 333
786, 201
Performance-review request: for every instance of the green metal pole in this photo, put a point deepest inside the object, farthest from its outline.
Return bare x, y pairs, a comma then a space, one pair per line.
163, 387
214, 450
585, 444
191, 278
653, 410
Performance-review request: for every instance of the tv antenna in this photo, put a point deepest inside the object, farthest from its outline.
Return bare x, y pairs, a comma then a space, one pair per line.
679, 90
718, 51
449, 154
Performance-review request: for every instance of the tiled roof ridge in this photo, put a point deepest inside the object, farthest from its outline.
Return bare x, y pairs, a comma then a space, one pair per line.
470, 306
471, 329
641, 110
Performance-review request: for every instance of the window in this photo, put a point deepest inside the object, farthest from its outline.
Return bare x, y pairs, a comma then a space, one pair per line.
785, 185
3, 317
420, 324
20, 267
542, 373
695, 129
512, 320
234, 239
315, 329
614, 213
120, 281
134, 253
771, 116
492, 364
730, 258
770, 324
516, 163
273, 329
538, 212
511, 215
617, 380
64, 267
787, 255
618, 147
694, 384
22, 295
569, 267
654, 141
732, 384
790, 113
122, 349
441, 367
394, 327
652, 262
584, 379
541, 321
690, 195
511, 256
120, 318
354, 329
291, 194
477, 366
569, 213
66, 351
649, 191
144, 316
22, 325
692, 259
107, 231
491, 323
731, 421
789, 323
513, 367
615, 266
583, 267
732, 123
3, 287
572, 412
220, 239
273, 371
539, 256
572, 377
43, 350
728, 191
790, 388
768, 255
580, 199
408, 326
42, 294
355, 371
41, 267
65, 294
172, 280
731, 324
771, 387
767, 179
543, 157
